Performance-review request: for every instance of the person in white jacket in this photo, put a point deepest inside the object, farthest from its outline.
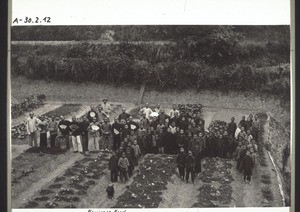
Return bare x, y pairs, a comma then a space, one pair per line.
31, 124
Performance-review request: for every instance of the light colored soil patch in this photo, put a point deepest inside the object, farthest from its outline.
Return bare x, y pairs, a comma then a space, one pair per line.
45, 180
18, 149
180, 194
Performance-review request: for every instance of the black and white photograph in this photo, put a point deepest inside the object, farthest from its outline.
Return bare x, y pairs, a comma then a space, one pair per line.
150, 116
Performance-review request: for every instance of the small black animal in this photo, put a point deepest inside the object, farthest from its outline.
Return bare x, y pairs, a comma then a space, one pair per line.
110, 191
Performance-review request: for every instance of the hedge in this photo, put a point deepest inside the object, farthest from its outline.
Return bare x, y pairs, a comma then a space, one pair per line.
171, 74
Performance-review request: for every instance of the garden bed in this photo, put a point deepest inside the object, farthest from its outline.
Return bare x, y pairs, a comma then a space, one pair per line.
216, 190
66, 189
151, 180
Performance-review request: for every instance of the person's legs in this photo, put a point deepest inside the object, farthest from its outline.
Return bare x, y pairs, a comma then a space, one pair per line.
121, 174
79, 145
112, 176
187, 173
193, 175
75, 146
126, 175
43, 140
97, 143
115, 175
52, 140
31, 139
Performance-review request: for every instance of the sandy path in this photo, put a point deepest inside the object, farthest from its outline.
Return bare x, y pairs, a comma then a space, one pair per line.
180, 194
25, 196
39, 111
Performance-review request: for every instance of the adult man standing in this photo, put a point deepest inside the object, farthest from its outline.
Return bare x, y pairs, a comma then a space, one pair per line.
75, 133
163, 116
158, 108
31, 123
146, 110
255, 127
84, 132
43, 128
106, 131
53, 128
106, 109
237, 131
174, 111
116, 134
231, 128
123, 116
190, 167
63, 127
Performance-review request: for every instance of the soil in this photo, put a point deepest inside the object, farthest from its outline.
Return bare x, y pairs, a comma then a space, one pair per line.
28, 194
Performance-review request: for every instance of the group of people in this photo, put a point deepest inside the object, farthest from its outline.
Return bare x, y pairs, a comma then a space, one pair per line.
180, 132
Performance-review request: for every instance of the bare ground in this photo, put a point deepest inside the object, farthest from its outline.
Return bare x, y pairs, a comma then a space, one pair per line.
23, 195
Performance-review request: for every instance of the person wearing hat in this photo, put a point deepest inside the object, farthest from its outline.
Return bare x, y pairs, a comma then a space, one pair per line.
31, 125
106, 108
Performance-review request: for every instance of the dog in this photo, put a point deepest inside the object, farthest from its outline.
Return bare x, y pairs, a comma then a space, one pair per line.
110, 191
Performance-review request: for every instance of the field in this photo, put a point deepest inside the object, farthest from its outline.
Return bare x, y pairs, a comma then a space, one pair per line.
69, 180
230, 70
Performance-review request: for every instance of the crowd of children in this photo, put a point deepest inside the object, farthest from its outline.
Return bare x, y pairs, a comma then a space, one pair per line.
180, 132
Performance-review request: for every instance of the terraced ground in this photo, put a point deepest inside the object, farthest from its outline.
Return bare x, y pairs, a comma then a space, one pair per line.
73, 180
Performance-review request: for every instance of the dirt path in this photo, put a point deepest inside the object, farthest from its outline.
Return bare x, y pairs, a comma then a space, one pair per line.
180, 194
97, 197
30, 191
39, 111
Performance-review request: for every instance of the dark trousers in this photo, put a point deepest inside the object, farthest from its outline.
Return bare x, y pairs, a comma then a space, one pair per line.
85, 142
52, 140
114, 175
43, 140
181, 172
130, 170
188, 172
116, 142
247, 175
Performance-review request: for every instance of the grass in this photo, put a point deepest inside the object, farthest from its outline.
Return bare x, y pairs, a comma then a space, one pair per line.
63, 110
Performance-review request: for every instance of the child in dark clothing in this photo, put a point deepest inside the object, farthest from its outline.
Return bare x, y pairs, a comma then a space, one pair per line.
190, 167
180, 160
113, 167
248, 166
